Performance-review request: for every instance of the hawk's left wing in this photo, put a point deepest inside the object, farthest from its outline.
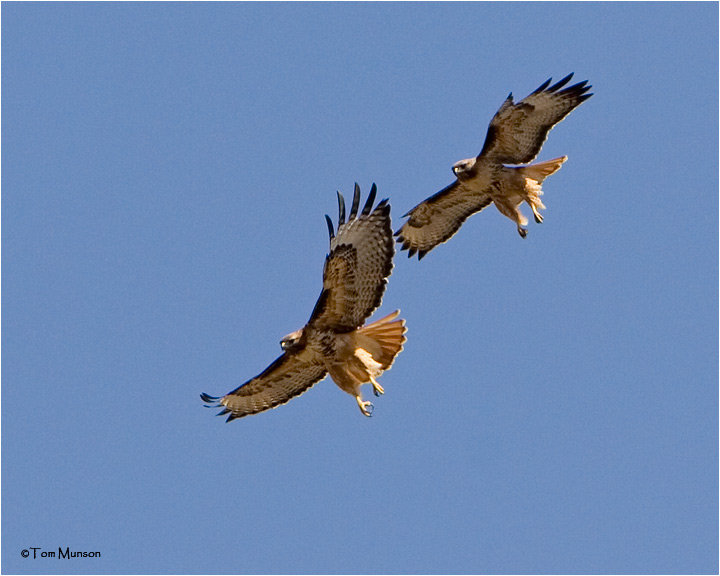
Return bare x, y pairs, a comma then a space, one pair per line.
357, 267
518, 131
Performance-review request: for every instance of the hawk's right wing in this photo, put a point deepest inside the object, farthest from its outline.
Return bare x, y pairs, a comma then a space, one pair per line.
290, 375
436, 219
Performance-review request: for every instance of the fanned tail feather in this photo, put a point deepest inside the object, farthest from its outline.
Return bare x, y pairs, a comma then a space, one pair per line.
542, 170
383, 339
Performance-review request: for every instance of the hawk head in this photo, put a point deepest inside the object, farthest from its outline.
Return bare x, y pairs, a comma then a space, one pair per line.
465, 169
291, 340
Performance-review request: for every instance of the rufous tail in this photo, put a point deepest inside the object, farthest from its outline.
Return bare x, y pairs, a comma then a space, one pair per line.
542, 170
383, 339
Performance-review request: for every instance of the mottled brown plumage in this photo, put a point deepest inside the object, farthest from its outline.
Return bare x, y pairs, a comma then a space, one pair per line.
334, 340
515, 136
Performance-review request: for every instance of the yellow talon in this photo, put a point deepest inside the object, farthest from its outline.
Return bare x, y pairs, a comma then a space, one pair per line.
365, 407
538, 216
376, 387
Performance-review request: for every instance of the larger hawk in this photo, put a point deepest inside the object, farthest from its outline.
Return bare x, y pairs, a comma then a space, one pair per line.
334, 341
515, 136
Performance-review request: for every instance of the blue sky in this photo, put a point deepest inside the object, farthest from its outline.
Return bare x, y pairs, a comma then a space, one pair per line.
165, 172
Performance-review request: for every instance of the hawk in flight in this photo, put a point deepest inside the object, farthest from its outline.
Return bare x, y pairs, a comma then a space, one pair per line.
515, 136
335, 341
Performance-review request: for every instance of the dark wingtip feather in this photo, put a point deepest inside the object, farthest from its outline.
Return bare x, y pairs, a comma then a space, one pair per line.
421, 254
577, 89
212, 402
383, 207
331, 230
411, 252
577, 92
555, 87
370, 200
209, 400
356, 201
341, 209
542, 86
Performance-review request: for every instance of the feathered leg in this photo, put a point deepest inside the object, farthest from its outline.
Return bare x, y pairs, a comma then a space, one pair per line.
533, 191
512, 210
534, 175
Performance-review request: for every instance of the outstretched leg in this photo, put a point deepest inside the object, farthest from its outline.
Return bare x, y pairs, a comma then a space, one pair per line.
377, 389
365, 407
512, 210
538, 216
533, 191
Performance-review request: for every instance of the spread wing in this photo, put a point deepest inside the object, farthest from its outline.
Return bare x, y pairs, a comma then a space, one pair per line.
290, 375
357, 267
438, 218
518, 131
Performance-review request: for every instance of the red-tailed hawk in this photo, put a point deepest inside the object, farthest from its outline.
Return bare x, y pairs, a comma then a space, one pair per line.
515, 136
334, 340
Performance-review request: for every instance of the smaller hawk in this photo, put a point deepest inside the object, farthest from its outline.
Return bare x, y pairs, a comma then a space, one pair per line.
335, 340
515, 136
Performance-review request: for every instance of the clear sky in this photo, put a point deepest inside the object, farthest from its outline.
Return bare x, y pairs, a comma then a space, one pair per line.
165, 172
